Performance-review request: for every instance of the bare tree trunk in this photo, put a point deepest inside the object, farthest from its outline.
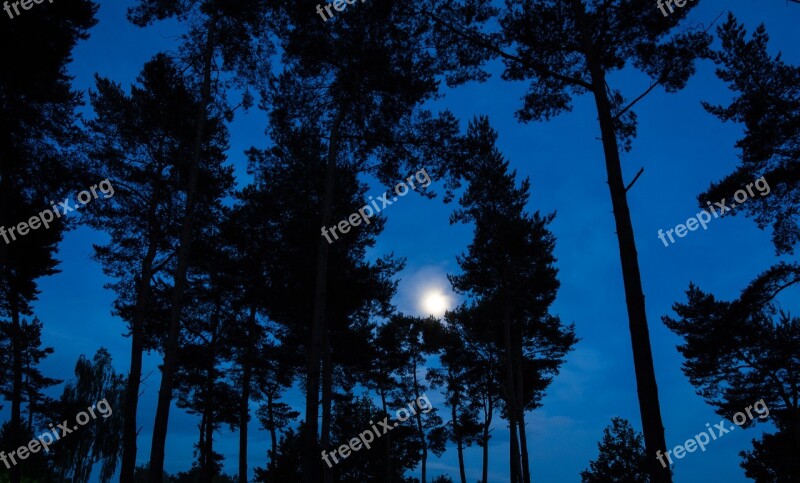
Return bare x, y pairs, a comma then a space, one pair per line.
210, 469
511, 396
647, 389
201, 443
272, 432
388, 442
459, 438
327, 392
170, 351
523, 437
513, 453
421, 430
129, 430
207, 452
487, 422
244, 403
523, 447
311, 460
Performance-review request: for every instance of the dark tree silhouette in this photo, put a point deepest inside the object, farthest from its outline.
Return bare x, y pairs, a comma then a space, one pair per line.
470, 358
286, 459
143, 218
740, 352
201, 383
767, 102
568, 49
287, 187
24, 350
410, 339
384, 378
622, 457
235, 33
261, 368
264, 368
460, 377
508, 271
354, 415
31, 352
37, 115
98, 441
375, 112
274, 415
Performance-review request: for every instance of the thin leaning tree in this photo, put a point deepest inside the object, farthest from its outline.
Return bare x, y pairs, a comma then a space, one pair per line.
565, 49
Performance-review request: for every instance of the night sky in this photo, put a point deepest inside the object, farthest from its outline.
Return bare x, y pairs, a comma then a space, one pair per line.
682, 149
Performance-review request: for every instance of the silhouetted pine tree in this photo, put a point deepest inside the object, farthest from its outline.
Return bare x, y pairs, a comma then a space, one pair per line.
201, 380
508, 271
289, 187
731, 364
767, 102
143, 219
412, 341
263, 368
565, 49
479, 363
460, 377
37, 115
234, 33
362, 85
25, 343
356, 414
622, 458
740, 352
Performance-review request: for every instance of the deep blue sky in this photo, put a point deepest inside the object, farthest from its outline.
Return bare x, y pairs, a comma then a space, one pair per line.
682, 148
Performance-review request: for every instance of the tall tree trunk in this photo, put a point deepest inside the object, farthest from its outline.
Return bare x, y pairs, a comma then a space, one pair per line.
272, 432
244, 402
170, 351
311, 460
487, 422
457, 432
511, 396
206, 465
523, 437
31, 409
16, 390
327, 392
421, 430
523, 447
647, 389
388, 442
513, 452
129, 431
210, 469
201, 443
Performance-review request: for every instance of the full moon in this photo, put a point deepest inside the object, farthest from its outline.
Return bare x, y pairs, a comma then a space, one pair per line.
435, 303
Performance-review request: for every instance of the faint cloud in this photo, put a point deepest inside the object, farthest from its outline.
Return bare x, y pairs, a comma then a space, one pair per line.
426, 291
